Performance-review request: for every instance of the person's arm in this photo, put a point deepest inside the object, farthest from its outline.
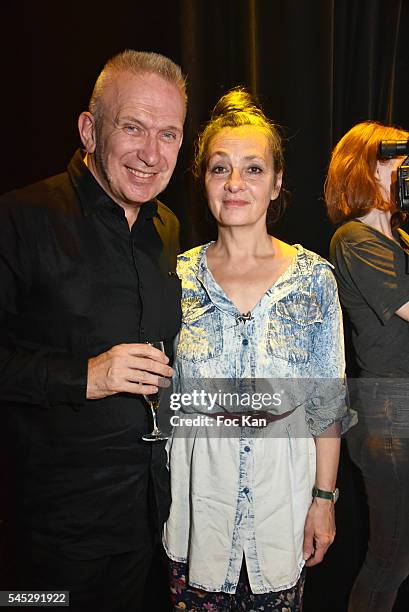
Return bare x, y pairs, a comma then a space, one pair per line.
49, 377
376, 270
40, 377
325, 416
319, 530
28, 374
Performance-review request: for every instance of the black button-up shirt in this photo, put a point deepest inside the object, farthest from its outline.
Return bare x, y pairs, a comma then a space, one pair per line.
76, 281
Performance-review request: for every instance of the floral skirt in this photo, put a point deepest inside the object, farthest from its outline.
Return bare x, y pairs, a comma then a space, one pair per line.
190, 599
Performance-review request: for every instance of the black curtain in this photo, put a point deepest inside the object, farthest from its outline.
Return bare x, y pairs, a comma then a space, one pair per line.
317, 66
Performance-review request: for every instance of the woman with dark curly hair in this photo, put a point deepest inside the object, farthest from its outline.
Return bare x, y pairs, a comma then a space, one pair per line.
253, 492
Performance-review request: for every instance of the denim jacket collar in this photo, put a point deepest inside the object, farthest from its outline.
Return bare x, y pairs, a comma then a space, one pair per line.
299, 268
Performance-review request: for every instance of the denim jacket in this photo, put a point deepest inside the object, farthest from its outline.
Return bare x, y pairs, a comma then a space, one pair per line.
249, 493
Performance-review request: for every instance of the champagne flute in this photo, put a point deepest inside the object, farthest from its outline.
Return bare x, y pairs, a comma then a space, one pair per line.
154, 400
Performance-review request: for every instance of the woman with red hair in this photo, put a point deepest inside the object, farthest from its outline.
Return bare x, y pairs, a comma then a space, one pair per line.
370, 255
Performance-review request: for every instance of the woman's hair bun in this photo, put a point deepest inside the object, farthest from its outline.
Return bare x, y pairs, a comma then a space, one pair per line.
237, 100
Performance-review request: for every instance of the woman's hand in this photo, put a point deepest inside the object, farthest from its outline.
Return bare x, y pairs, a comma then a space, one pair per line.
319, 530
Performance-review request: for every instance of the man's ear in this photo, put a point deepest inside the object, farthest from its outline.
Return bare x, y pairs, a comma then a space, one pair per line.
86, 127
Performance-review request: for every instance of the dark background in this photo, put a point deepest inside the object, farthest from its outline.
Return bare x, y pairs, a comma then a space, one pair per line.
318, 67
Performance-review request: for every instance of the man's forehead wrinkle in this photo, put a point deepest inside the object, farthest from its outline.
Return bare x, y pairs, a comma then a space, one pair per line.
140, 101
140, 109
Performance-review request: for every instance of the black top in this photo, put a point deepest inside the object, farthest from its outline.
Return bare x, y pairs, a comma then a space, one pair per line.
373, 280
74, 282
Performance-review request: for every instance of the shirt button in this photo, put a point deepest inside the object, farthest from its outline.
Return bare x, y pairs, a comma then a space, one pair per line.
247, 449
246, 490
245, 342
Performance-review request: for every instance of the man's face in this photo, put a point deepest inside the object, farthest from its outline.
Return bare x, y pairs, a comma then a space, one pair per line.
138, 137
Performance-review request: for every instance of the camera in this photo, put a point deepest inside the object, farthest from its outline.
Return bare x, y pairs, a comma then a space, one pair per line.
389, 149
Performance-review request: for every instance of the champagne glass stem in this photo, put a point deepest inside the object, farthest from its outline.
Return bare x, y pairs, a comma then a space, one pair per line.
156, 430
154, 400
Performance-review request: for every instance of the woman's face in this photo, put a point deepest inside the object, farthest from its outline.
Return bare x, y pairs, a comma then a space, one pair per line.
385, 174
240, 180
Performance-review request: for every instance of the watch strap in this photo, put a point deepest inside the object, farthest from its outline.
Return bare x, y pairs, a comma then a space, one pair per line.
330, 495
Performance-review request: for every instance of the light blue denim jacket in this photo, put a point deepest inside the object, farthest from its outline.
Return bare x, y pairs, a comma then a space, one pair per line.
249, 493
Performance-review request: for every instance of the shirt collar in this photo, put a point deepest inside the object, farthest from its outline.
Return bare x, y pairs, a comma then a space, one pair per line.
93, 197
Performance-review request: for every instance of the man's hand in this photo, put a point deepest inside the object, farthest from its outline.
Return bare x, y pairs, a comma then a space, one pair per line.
319, 530
129, 368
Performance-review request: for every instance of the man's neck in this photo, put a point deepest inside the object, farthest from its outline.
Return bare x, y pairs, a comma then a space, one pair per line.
131, 212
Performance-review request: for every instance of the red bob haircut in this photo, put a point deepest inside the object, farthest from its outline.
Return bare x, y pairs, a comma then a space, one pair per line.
351, 189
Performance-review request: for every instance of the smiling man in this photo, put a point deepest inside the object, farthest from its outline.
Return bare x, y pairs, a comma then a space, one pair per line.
86, 264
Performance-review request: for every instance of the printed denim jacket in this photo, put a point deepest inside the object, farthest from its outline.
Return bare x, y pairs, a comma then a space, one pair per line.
249, 493
295, 332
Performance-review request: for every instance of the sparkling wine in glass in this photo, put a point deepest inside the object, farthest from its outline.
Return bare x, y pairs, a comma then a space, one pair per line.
154, 400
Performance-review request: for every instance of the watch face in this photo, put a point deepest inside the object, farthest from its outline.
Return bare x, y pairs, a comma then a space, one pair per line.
336, 495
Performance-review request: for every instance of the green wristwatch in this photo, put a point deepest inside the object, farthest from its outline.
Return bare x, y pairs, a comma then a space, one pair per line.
331, 495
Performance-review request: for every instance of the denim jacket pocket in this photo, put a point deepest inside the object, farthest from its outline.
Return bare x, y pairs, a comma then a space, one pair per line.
291, 327
201, 335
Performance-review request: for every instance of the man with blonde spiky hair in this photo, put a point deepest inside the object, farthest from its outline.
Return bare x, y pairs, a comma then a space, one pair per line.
86, 264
